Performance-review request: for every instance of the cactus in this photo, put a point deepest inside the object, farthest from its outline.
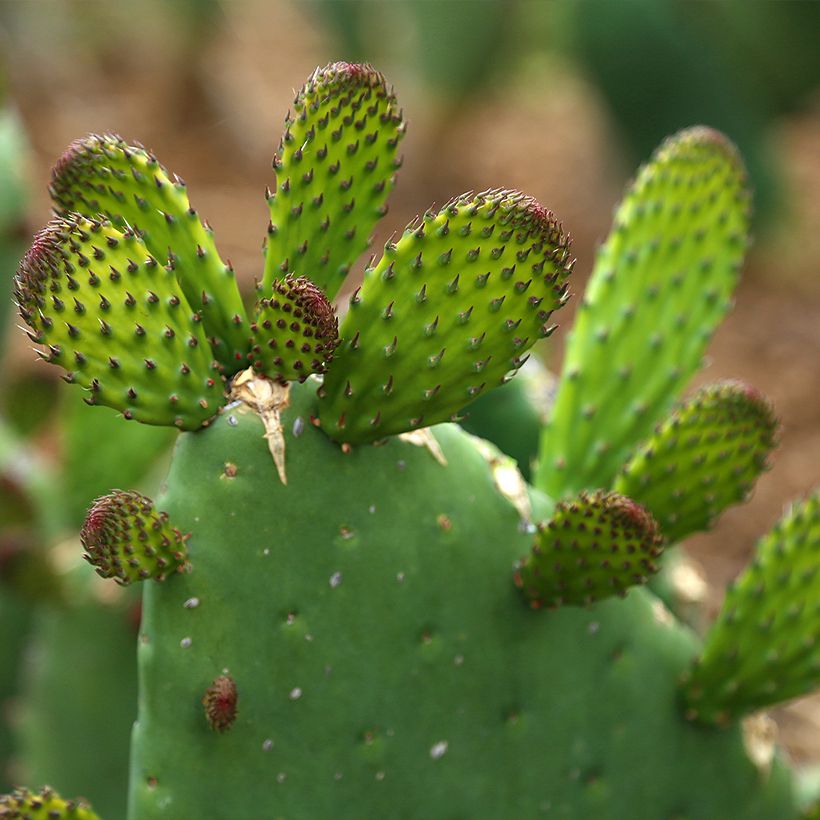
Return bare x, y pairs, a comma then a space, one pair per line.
376, 615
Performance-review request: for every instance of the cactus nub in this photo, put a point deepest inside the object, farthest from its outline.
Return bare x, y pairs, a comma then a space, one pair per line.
23, 804
702, 459
220, 702
593, 547
125, 538
335, 167
449, 311
295, 331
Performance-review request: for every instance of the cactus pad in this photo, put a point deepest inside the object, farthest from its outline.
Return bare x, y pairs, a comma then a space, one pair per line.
662, 282
449, 310
43, 805
126, 539
702, 459
115, 319
334, 169
764, 648
593, 547
295, 330
103, 175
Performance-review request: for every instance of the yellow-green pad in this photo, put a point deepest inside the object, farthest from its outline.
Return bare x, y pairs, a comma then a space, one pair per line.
103, 175
46, 804
447, 313
763, 648
295, 330
127, 539
661, 284
335, 167
702, 459
116, 320
595, 546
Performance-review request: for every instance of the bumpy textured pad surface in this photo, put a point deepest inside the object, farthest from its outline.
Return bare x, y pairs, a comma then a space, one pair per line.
385, 664
103, 175
127, 539
295, 330
335, 167
448, 312
702, 459
116, 320
764, 646
661, 284
593, 547
43, 805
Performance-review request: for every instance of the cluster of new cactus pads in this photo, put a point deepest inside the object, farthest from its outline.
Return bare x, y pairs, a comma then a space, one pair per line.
370, 616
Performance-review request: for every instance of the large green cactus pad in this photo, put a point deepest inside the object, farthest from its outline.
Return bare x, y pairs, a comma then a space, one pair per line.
449, 311
115, 319
702, 459
661, 284
385, 665
335, 167
101, 175
764, 648
593, 547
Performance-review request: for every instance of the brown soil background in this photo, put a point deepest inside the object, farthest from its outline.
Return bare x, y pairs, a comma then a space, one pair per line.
213, 112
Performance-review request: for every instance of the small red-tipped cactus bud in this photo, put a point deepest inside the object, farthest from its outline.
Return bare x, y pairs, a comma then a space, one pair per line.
125, 538
595, 546
220, 700
46, 804
449, 311
335, 167
702, 459
295, 331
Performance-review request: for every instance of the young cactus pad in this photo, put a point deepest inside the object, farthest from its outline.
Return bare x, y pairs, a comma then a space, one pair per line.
661, 284
764, 648
702, 459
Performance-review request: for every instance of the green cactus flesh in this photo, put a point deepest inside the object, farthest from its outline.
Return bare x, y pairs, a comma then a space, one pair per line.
449, 310
295, 330
763, 648
78, 703
102, 175
705, 457
661, 284
114, 318
335, 167
384, 662
593, 547
125, 538
43, 805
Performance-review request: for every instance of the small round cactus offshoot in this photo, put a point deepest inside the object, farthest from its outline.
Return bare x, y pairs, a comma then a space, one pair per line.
46, 804
220, 700
595, 546
295, 331
125, 538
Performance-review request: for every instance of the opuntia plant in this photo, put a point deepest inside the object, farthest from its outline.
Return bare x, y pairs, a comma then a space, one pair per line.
351, 607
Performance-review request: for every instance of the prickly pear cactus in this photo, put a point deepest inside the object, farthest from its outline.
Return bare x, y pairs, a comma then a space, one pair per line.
356, 614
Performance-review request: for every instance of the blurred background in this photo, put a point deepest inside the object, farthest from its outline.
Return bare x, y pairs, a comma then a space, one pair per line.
561, 100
